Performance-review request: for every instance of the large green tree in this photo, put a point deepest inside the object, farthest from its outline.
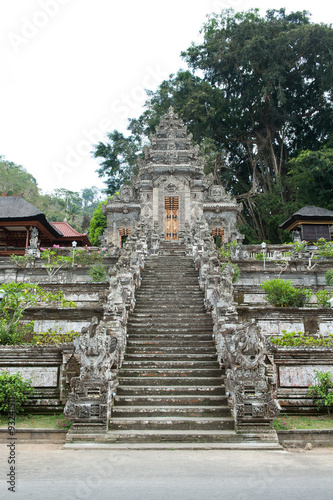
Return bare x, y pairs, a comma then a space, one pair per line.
15, 180
257, 92
58, 205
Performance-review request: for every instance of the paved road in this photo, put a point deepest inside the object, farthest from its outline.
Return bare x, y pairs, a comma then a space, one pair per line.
47, 472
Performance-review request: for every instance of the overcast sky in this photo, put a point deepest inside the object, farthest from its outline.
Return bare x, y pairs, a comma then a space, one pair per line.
74, 69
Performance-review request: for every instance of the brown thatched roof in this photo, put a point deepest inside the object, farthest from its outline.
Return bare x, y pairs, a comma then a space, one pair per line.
309, 213
16, 209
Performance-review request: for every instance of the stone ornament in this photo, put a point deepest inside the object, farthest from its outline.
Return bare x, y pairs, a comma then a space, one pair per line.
126, 194
33, 242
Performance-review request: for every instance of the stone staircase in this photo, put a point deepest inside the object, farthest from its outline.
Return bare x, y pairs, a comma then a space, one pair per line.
170, 384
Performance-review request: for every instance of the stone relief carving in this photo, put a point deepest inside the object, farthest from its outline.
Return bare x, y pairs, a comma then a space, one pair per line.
126, 194
97, 351
91, 391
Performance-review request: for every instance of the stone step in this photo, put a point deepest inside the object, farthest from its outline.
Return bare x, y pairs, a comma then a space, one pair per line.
170, 381
156, 300
171, 372
169, 278
156, 330
170, 384
171, 423
171, 400
172, 300
158, 356
172, 436
187, 338
169, 411
166, 390
168, 364
205, 348
169, 286
146, 315
161, 341
201, 325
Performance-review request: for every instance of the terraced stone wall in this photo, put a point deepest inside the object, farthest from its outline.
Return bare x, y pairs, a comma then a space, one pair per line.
49, 368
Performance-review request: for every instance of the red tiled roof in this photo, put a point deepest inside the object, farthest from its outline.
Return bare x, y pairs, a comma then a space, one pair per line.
66, 229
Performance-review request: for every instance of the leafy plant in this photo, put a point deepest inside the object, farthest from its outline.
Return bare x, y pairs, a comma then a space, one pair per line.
14, 390
23, 260
53, 337
329, 277
65, 423
325, 248
323, 298
282, 293
259, 256
322, 391
16, 298
227, 250
300, 339
299, 246
226, 254
52, 261
279, 424
98, 273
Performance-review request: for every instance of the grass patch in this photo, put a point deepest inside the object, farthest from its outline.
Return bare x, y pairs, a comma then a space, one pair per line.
34, 421
287, 422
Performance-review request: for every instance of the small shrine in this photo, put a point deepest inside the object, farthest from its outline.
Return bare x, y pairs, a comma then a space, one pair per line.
310, 223
171, 191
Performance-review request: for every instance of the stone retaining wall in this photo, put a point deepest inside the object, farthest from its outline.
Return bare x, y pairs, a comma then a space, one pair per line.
295, 372
273, 320
50, 369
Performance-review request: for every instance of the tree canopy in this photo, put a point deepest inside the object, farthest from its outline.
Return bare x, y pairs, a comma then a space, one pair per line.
257, 93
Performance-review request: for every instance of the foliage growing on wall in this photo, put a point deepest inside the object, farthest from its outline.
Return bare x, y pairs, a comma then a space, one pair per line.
16, 299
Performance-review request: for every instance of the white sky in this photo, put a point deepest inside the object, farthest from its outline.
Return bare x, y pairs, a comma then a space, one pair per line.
74, 69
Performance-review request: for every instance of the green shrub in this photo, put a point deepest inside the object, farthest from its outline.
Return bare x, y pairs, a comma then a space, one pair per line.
97, 272
14, 391
300, 339
325, 248
300, 246
322, 392
9, 334
323, 298
282, 293
259, 256
329, 277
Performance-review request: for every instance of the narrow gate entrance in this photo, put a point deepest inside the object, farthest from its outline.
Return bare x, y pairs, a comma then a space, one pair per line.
171, 215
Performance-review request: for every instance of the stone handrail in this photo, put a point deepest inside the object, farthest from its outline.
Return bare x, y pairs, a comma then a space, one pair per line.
241, 347
101, 347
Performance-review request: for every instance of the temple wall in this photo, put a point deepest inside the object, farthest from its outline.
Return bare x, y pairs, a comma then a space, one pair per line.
50, 369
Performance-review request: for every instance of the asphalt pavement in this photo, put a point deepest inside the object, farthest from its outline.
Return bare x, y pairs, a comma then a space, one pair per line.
49, 472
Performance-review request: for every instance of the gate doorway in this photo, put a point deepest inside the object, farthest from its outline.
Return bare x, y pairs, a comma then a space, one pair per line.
171, 217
